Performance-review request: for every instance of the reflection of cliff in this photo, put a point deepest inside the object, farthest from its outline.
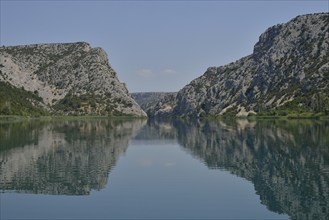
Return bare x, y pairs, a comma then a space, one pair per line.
62, 157
287, 161
158, 130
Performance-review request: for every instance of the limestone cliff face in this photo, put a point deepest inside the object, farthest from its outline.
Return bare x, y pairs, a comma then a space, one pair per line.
71, 78
288, 69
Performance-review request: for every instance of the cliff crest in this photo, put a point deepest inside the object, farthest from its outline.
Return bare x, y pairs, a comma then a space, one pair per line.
70, 78
288, 72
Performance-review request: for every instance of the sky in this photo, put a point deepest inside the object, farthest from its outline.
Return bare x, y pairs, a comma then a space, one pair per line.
152, 45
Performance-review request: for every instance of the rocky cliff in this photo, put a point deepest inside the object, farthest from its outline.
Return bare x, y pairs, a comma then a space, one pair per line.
288, 71
69, 78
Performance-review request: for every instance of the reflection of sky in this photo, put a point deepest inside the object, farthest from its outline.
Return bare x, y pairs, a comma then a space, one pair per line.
173, 184
148, 182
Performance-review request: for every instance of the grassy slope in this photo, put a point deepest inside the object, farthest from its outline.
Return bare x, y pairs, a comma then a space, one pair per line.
15, 101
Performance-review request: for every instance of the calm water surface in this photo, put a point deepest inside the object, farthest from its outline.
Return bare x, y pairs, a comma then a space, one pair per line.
238, 169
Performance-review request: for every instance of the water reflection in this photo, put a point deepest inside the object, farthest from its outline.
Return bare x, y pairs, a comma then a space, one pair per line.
62, 157
287, 161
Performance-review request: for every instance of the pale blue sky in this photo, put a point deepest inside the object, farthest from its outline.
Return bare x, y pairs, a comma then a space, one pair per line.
152, 45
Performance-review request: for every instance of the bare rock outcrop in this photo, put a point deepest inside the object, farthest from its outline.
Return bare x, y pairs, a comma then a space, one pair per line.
71, 78
288, 71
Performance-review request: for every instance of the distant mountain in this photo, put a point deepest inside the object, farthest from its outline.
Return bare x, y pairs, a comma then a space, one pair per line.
64, 78
288, 72
151, 102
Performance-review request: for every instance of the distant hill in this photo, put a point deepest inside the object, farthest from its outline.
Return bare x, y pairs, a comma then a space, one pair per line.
287, 73
149, 101
64, 78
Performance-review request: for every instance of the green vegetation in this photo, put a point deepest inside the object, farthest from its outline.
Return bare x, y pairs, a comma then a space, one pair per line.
19, 102
230, 112
27, 50
304, 106
73, 102
15, 101
90, 104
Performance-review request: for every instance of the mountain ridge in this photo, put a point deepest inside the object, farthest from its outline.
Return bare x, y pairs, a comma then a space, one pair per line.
70, 78
288, 72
